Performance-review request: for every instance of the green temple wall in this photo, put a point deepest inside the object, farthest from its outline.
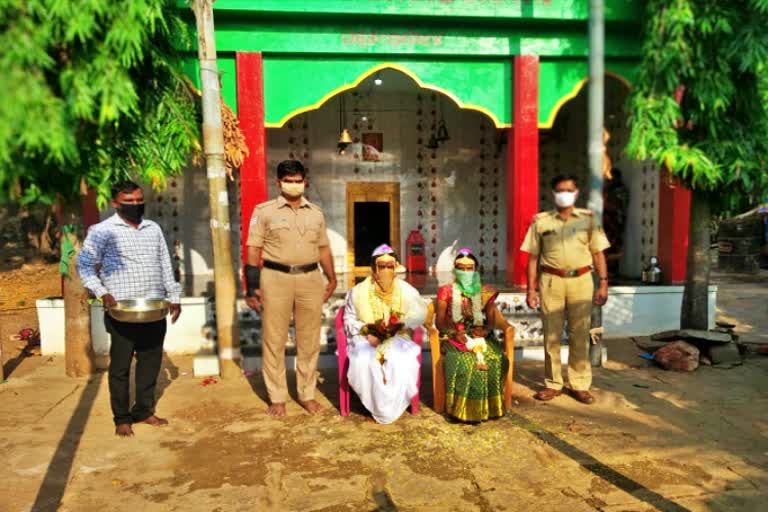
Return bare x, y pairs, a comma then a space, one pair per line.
462, 48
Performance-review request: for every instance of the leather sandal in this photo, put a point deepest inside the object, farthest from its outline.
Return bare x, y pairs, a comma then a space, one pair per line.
547, 394
584, 397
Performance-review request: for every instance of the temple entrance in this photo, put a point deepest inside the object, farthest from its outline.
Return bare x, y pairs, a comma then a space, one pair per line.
630, 192
373, 218
387, 158
369, 234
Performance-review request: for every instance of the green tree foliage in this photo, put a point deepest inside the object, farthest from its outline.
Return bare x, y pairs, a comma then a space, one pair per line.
93, 92
716, 139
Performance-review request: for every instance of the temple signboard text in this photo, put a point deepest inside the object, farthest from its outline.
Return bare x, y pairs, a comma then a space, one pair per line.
391, 39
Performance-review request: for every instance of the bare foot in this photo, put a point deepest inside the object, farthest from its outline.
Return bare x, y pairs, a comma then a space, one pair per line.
311, 406
277, 409
155, 421
124, 430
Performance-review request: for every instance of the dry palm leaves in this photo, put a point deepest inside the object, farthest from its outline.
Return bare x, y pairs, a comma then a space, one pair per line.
235, 148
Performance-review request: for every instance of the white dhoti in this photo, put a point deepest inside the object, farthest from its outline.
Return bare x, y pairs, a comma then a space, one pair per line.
385, 400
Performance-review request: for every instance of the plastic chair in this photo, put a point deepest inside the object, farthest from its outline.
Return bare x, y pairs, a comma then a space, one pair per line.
438, 373
341, 348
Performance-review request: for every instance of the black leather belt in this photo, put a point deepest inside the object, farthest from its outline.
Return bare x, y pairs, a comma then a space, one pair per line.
290, 269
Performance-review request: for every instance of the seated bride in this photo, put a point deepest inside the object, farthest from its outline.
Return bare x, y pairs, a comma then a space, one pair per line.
379, 317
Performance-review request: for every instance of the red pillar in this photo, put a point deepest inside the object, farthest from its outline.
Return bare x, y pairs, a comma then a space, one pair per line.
522, 162
674, 217
250, 111
90, 210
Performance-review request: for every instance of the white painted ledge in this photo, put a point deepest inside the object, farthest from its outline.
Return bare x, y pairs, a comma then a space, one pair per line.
186, 336
630, 311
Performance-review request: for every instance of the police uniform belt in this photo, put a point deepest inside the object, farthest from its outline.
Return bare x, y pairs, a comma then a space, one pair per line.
565, 273
290, 269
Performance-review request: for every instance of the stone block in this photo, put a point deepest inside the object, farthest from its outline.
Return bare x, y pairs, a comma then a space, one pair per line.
696, 335
677, 356
647, 344
727, 354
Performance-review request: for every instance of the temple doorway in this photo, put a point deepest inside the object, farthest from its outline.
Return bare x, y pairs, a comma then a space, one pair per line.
630, 194
438, 169
373, 218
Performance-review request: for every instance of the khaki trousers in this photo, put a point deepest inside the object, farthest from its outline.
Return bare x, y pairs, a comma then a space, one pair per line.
300, 295
561, 298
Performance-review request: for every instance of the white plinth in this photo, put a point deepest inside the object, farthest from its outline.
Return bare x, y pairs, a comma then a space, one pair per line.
630, 311
206, 365
186, 336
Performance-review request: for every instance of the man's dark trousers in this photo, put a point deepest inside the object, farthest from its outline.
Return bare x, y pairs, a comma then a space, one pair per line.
146, 341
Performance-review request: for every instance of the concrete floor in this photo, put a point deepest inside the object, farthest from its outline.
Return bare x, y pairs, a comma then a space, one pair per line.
655, 440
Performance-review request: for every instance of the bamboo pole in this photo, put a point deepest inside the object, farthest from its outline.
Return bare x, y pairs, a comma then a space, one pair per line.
218, 199
595, 140
596, 89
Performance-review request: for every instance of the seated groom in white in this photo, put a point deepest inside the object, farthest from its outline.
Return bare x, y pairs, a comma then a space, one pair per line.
379, 317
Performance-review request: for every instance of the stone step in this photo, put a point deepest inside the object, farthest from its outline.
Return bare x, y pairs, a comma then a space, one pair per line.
330, 360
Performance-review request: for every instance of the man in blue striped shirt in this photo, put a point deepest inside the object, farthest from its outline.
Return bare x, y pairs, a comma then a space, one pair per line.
126, 257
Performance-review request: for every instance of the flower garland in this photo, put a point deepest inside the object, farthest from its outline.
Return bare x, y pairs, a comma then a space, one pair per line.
381, 309
456, 306
386, 323
380, 351
385, 331
476, 345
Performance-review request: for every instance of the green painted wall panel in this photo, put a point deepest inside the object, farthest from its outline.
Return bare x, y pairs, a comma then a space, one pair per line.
477, 85
191, 67
615, 10
227, 70
558, 81
407, 40
485, 86
562, 80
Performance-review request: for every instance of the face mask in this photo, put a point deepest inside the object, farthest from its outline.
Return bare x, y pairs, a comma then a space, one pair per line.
131, 212
468, 281
292, 189
565, 199
385, 278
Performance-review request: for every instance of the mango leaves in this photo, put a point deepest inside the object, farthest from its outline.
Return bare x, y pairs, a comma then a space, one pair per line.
93, 92
700, 104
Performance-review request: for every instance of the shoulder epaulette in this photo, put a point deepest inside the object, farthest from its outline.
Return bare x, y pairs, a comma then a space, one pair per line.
265, 204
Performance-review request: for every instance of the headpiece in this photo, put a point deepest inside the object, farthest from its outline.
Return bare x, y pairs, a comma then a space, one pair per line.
382, 249
463, 257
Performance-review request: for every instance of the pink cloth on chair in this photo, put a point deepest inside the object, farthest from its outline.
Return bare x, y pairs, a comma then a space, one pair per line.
341, 350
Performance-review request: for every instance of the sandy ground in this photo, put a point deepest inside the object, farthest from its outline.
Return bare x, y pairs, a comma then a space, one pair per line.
655, 440
19, 288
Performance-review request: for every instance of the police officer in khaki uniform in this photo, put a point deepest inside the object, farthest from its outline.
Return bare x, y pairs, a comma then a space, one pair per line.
286, 240
564, 247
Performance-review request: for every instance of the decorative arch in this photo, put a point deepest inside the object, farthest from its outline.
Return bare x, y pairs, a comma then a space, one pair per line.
493, 100
550, 121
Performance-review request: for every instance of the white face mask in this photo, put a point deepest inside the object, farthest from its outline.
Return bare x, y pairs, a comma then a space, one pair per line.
292, 189
565, 199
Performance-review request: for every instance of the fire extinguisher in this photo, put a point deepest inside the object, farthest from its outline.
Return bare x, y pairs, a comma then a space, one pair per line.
416, 259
